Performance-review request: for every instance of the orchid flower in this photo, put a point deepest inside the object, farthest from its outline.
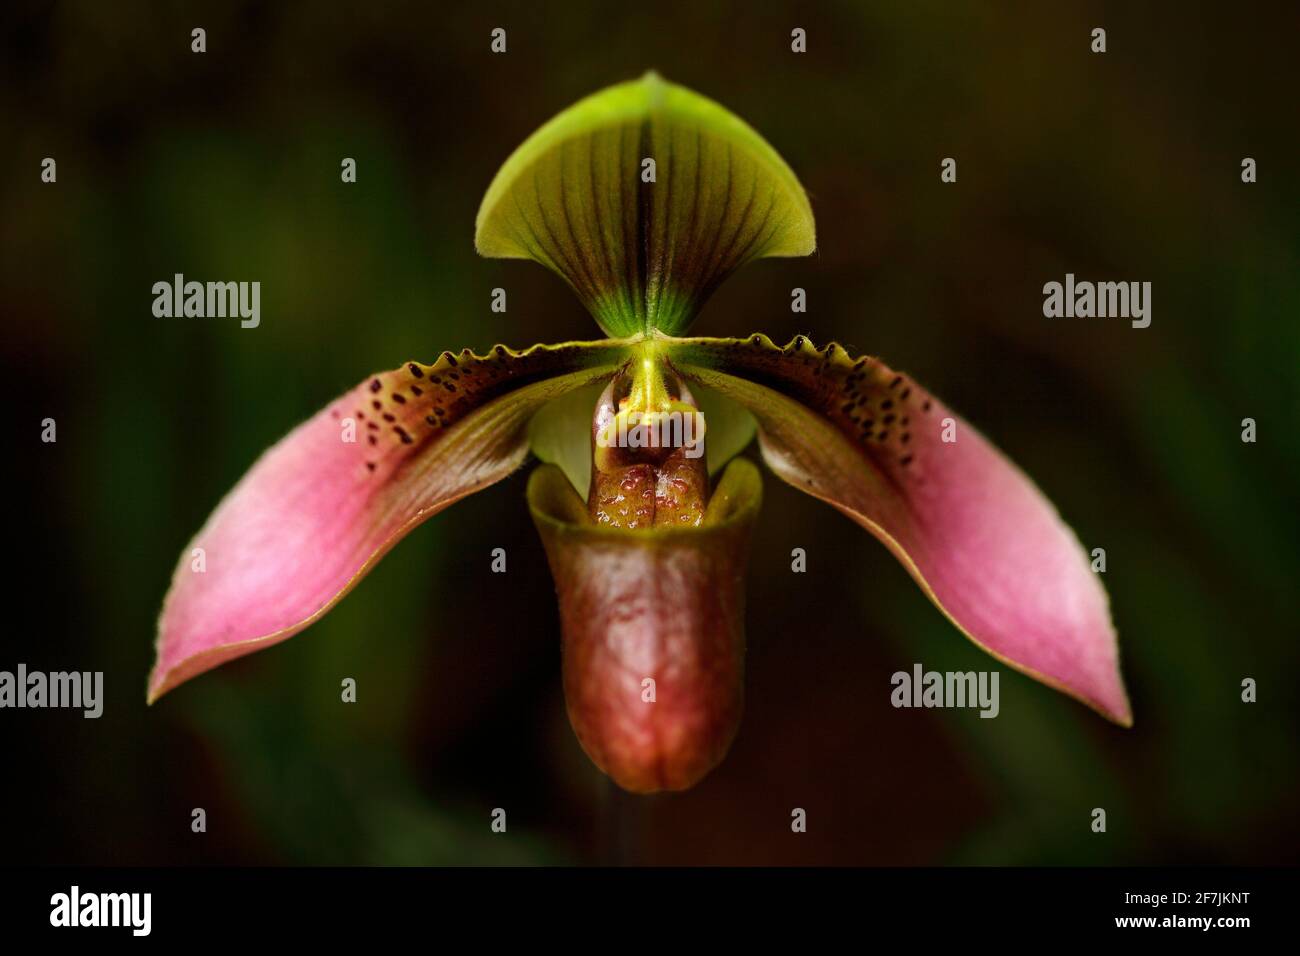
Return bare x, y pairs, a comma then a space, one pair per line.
643, 198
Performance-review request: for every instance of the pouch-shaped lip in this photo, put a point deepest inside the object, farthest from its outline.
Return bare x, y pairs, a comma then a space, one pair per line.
653, 630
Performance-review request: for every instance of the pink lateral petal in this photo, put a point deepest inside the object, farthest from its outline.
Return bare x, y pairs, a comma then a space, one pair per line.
316, 512
982, 541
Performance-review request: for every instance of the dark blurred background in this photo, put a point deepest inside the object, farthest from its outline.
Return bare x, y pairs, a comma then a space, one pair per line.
225, 165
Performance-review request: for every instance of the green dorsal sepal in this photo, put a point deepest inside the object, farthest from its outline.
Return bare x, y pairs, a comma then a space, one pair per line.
644, 197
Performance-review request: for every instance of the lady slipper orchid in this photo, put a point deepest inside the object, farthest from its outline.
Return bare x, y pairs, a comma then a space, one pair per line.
643, 198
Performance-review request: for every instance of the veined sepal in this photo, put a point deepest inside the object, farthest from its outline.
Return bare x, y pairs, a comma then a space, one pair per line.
643, 198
